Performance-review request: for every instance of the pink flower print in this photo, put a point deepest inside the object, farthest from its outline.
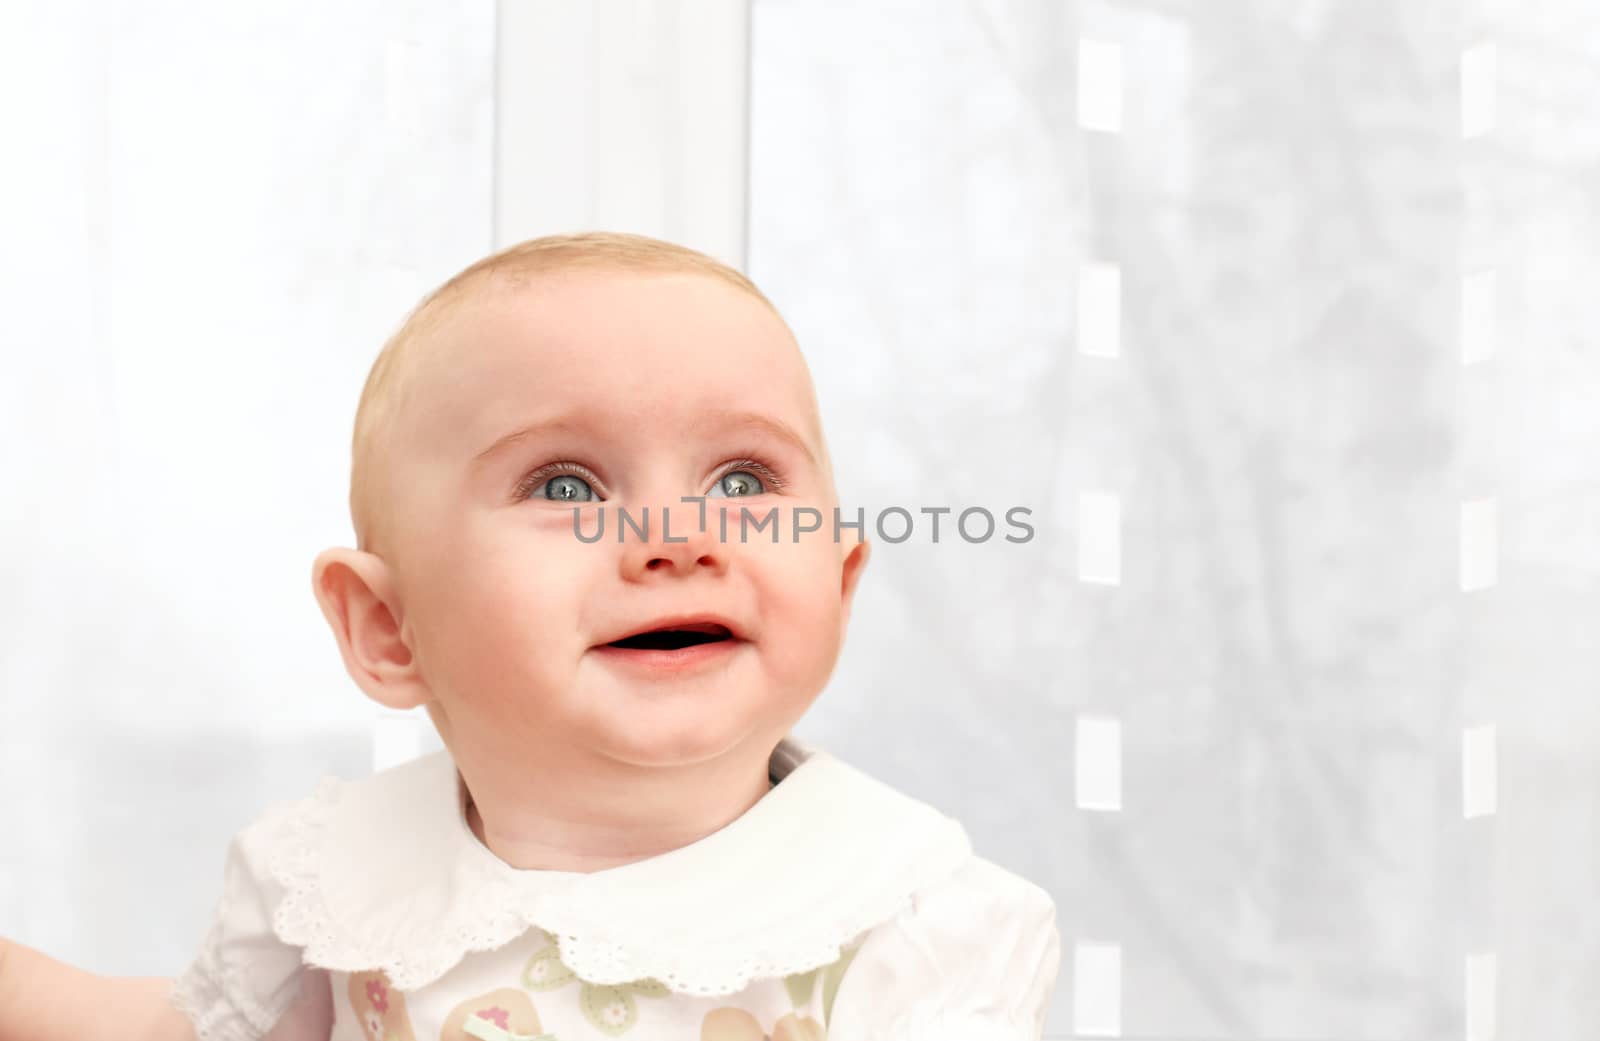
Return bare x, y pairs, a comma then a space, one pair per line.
498, 1016
378, 995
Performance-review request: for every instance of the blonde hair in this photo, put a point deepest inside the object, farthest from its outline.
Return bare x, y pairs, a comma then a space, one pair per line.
391, 381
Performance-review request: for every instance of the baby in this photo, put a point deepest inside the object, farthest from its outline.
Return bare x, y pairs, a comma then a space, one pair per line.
621, 839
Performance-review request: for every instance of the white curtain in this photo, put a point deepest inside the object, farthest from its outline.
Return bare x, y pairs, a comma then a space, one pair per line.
1276, 317
1281, 317
213, 216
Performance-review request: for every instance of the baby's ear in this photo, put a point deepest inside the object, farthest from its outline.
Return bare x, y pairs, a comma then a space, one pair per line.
855, 562
356, 593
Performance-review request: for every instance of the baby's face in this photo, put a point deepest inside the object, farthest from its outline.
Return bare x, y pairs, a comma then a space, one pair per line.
646, 388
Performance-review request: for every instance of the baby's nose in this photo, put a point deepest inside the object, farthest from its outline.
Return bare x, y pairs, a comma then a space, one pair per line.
678, 537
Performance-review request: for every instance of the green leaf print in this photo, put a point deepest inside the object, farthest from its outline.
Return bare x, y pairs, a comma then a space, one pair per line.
648, 988
801, 986
545, 971
610, 1009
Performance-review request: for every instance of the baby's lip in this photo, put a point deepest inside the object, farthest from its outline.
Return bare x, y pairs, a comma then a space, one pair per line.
698, 623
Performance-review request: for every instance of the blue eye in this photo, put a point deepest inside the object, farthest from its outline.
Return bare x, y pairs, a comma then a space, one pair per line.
736, 484
566, 488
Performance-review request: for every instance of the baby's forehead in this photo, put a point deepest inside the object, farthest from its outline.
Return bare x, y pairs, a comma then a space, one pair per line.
608, 342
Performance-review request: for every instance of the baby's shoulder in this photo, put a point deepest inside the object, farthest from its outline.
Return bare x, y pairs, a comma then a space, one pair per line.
980, 891
974, 954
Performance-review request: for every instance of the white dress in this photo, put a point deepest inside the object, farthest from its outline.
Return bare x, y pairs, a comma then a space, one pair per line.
834, 908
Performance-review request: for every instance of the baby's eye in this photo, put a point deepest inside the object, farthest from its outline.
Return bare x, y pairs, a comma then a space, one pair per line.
735, 484
560, 481
564, 488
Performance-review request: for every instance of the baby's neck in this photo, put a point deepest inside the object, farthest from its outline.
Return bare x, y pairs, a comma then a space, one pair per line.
556, 836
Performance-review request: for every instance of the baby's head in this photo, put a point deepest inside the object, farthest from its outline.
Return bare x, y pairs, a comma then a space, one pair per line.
591, 372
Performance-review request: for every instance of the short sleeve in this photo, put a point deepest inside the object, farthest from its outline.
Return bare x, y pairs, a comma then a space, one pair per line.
244, 978
972, 959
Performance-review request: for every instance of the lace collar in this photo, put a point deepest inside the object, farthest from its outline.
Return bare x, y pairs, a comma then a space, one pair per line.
384, 873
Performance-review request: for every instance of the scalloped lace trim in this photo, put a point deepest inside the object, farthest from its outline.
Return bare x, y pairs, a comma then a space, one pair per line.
598, 959
414, 954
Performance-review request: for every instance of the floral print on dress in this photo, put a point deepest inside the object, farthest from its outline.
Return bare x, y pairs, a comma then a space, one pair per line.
507, 1008
610, 1008
735, 1024
729, 1023
379, 1008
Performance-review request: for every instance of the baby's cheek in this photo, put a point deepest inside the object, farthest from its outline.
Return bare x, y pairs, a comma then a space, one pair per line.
800, 616
519, 612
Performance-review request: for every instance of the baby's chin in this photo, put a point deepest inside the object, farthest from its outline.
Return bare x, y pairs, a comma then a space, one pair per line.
683, 722
656, 731
689, 741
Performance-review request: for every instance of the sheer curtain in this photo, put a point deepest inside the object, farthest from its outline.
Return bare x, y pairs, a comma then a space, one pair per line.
214, 214
1273, 315
1279, 317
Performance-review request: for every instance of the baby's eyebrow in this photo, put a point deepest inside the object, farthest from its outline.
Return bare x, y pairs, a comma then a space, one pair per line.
548, 426
715, 419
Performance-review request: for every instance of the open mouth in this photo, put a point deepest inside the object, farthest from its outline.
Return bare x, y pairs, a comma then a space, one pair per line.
673, 639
